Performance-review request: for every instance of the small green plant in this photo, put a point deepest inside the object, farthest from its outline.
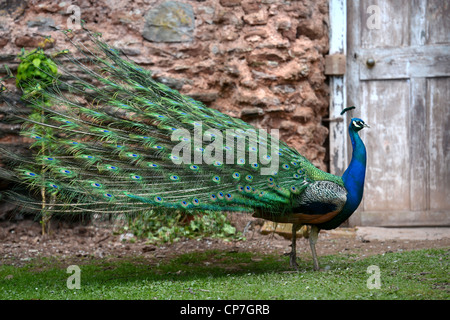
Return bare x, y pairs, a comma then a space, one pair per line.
35, 67
35, 72
168, 226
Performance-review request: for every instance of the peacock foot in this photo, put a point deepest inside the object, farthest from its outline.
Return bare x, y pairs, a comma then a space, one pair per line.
292, 260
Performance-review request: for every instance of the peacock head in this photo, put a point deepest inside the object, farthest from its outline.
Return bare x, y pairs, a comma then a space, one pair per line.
358, 124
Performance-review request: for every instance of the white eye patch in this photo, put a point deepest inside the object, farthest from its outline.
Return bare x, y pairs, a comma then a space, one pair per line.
356, 124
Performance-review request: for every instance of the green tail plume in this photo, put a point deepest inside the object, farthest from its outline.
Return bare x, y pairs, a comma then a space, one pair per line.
107, 138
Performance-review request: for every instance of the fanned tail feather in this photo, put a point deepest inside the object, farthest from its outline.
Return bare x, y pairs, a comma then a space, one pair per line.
104, 137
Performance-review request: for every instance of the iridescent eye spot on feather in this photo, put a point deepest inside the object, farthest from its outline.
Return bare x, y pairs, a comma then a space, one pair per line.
255, 165
65, 171
248, 188
174, 178
229, 196
213, 197
240, 188
253, 149
216, 179
152, 165
113, 168
49, 159
270, 179
236, 175
241, 161
96, 185
184, 203
300, 171
286, 166
249, 177
294, 163
135, 177
158, 147
108, 195
220, 195
194, 167
132, 155
52, 185
217, 164
36, 137
296, 176
294, 189
158, 199
195, 201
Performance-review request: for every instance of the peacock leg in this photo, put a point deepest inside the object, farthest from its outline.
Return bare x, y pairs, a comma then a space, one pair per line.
312, 242
293, 253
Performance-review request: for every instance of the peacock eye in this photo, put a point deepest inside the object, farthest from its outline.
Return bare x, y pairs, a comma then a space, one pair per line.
357, 124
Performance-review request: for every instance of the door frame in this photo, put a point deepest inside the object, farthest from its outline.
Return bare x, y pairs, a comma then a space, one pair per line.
339, 141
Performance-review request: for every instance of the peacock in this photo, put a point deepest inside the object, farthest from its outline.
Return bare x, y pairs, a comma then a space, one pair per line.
109, 139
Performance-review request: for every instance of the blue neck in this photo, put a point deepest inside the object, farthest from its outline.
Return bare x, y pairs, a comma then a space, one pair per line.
355, 174
353, 179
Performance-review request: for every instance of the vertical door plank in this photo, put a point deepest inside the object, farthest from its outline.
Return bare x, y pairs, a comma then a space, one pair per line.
393, 27
353, 96
439, 134
418, 145
418, 22
438, 20
387, 143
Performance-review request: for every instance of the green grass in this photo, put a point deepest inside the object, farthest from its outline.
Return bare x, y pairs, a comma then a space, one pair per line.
422, 274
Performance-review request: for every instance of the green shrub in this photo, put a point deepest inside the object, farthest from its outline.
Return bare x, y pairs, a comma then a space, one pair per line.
168, 226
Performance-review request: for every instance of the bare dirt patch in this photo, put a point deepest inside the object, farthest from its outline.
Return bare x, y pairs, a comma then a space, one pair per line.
22, 241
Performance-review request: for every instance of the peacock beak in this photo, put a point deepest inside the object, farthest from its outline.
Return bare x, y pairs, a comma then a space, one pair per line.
366, 125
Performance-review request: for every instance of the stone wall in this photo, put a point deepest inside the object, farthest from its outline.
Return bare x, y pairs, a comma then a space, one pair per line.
261, 60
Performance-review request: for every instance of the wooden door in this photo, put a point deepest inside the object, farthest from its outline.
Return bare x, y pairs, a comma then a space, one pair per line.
405, 97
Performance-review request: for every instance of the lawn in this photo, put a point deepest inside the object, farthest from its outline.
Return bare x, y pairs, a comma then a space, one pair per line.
421, 274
